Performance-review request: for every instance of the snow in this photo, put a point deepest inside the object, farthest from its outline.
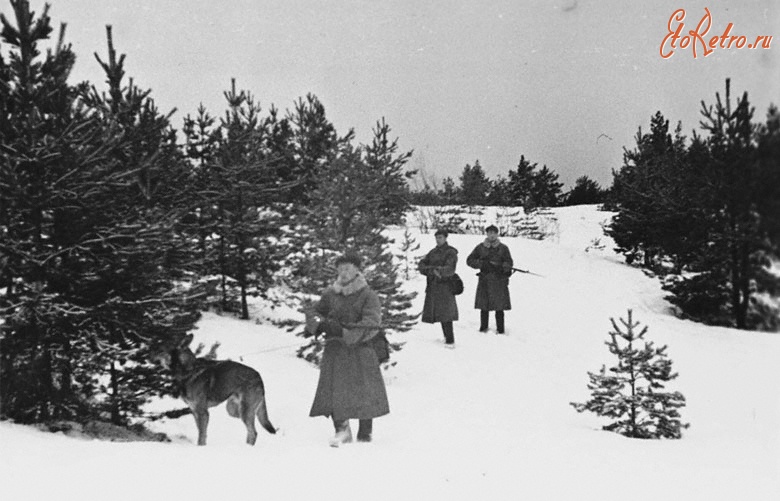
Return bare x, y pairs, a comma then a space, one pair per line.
489, 420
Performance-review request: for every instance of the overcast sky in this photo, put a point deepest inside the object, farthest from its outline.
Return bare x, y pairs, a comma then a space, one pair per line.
458, 81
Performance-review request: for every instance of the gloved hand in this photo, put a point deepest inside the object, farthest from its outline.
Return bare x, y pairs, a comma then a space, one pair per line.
490, 267
313, 322
331, 328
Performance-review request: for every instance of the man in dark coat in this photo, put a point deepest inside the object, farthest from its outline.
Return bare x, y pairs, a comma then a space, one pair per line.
350, 384
440, 305
494, 262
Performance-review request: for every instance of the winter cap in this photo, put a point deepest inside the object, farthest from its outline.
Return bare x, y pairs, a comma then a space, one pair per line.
349, 257
442, 232
492, 228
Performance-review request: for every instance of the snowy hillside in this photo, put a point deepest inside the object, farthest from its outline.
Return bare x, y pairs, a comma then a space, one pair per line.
489, 420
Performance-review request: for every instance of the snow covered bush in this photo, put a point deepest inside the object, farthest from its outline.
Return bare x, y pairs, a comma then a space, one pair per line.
631, 393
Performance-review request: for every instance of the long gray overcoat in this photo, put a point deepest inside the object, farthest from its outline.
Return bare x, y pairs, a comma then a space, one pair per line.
495, 265
440, 304
351, 384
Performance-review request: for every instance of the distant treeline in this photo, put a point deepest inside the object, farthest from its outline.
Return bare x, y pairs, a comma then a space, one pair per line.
526, 186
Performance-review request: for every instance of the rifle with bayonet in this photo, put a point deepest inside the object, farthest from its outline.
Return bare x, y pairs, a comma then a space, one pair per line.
518, 270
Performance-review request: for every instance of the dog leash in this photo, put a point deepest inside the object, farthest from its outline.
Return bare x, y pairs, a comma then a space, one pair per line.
268, 350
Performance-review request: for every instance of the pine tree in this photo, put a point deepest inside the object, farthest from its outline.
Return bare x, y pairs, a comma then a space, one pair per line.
449, 192
358, 195
546, 190
530, 189
202, 140
586, 191
239, 181
87, 181
42, 130
474, 185
520, 183
241, 173
130, 274
314, 143
631, 393
499, 192
408, 247
704, 215
729, 266
652, 191
765, 312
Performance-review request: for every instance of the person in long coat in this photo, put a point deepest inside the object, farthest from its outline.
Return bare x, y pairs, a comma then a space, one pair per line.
350, 385
440, 305
494, 262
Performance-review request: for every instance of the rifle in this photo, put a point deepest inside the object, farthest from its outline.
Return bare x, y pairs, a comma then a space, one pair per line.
527, 272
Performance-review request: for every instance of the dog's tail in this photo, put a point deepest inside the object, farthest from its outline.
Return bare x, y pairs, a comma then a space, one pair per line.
262, 416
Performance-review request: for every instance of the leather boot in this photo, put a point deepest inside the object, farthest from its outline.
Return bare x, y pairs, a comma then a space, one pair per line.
365, 430
484, 316
500, 321
449, 336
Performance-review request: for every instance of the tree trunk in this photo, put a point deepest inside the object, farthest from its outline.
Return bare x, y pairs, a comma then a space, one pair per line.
66, 384
734, 268
202, 242
744, 286
46, 379
242, 275
244, 305
116, 416
223, 271
243, 285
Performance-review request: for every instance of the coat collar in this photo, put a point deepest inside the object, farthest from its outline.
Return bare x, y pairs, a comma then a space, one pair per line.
352, 287
487, 243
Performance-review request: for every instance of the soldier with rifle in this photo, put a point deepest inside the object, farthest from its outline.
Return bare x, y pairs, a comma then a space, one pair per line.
494, 262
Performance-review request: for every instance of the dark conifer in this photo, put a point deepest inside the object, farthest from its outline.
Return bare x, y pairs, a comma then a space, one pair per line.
87, 180
474, 185
586, 191
530, 188
738, 196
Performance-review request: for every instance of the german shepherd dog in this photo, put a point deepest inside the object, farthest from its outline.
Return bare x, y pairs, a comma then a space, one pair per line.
207, 383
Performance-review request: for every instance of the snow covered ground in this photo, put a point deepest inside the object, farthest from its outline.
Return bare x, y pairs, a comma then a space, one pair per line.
489, 420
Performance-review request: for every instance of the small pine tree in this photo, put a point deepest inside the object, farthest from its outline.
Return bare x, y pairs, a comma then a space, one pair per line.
449, 218
632, 392
407, 248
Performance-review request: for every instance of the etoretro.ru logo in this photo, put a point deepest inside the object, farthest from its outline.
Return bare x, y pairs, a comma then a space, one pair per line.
698, 39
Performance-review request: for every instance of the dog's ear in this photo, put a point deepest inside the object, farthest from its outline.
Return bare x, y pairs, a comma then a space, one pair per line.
185, 358
185, 342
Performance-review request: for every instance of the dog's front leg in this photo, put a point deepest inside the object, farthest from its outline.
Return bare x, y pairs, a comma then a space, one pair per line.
202, 421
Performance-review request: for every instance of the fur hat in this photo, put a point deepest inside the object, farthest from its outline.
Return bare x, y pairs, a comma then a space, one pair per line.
349, 257
492, 228
442, 232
